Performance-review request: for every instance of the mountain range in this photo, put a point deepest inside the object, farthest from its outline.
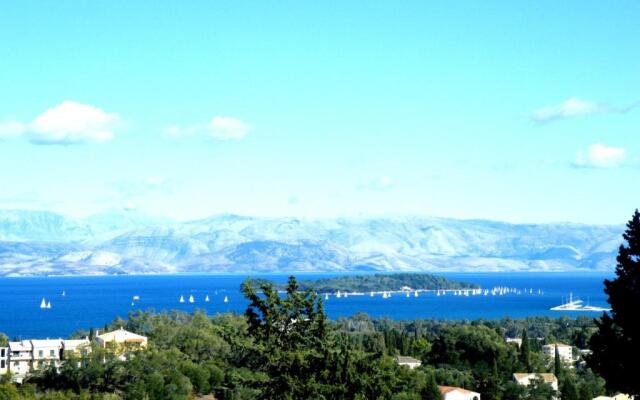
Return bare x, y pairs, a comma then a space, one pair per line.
47, 243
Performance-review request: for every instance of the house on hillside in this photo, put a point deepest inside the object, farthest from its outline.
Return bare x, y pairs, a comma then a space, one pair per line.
408, 361
564, 351
516, 341
121, 339
20, 358
456, 393
525, 379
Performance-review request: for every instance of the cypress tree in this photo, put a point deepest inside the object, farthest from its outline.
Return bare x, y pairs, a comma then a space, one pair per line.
616, 344
525, 359
557, 363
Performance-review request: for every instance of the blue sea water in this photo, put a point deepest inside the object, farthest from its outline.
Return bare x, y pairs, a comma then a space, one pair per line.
94, 301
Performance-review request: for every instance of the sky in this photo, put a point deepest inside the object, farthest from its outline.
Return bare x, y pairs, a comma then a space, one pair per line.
503, 110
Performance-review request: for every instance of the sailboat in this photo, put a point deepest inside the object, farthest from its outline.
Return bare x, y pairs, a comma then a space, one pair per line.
408, 295
43, 303
49, 305
64, 293
226, 299
206, 299
338, 295
191, 299
415, 294
371, 294
326, 296
136, 297
181, 299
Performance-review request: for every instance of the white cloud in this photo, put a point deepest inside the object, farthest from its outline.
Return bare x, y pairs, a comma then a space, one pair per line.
155, 181
11, 129
67, 123
220, 128
225, 128
570, 108
71, 122
600, 156
381, 183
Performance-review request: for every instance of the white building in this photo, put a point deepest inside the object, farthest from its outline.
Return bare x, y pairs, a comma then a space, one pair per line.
516, 341
525, 379
26, 356
46, 352
564, 351
20, 358
408, 361
4, 360
456, 393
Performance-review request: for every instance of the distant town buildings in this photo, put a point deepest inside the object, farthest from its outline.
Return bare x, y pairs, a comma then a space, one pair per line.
25, 356
525, 379
456, 393
564, 351
408, 361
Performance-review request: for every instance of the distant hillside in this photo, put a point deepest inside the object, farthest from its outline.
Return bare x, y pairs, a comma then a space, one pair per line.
45, 243
381, 282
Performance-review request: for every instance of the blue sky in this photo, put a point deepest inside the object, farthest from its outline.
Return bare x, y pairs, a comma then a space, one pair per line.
498, 110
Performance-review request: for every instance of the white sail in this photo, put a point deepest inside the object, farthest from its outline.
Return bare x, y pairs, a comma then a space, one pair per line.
43, 303
49, 304
226, 299
326, 297
64, 293
206, 298
191, 299
136, 297
181, 299
415, 294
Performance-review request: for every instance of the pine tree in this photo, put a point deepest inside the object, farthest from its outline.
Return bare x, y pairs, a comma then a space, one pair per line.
616, 344
525, 359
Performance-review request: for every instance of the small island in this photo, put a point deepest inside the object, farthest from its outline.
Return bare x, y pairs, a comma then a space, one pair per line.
385, 282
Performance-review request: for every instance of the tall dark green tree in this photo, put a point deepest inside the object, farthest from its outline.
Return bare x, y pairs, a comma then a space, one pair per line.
616, 344
431, 391
525, 358
557, 363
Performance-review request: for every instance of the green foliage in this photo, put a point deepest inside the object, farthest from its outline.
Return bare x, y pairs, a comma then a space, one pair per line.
616, 344
379, 282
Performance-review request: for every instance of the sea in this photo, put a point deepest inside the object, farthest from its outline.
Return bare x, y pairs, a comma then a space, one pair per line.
91, 301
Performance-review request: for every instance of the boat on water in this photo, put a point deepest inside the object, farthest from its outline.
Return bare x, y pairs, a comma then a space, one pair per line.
181, 299
49, 305
577, 305
326, 296
226, 299
43, 303
191, 299
415, 294
206, 299
64, 293
136, 297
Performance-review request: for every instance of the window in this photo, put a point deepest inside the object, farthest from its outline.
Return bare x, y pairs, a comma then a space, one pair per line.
2, 364
52, 353
2, 353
